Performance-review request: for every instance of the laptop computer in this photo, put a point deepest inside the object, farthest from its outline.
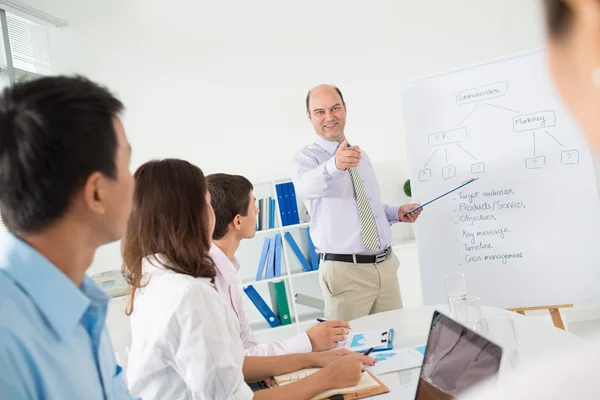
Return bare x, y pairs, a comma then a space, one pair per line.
456, 359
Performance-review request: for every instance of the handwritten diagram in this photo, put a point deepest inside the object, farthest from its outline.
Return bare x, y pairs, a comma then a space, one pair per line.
540, 122
452, 144
504, 123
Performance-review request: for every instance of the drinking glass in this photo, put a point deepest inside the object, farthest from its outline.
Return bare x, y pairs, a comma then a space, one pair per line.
467, 311
456, 287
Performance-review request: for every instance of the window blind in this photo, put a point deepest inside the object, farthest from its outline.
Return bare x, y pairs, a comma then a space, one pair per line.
30, 48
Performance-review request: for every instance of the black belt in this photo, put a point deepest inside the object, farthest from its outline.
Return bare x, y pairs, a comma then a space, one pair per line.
358, 258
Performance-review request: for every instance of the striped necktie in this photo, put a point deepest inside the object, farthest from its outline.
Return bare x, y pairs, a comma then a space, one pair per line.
365, 213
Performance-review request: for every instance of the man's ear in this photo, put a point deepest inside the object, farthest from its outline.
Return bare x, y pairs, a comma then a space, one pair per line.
308, 114
237, 222
95, 193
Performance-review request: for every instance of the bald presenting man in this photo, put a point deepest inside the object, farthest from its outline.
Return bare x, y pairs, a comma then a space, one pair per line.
349, 226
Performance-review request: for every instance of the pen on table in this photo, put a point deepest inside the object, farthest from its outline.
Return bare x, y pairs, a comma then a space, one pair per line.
323, 320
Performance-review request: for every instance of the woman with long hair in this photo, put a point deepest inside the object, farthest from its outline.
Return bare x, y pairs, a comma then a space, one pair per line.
185, 342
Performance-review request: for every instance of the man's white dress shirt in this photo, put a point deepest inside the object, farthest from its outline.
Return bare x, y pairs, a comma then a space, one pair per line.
226, 284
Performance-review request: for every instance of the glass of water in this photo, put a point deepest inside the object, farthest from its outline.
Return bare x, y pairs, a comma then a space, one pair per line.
456, 288
467, 311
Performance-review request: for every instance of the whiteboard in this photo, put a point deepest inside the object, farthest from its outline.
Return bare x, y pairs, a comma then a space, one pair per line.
526, 233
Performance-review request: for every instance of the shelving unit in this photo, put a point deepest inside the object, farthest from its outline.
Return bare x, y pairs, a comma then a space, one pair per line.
296, 279
282, 229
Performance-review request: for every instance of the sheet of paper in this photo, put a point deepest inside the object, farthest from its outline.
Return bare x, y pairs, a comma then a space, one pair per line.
359, 341
396, 360
402, 392
366, 382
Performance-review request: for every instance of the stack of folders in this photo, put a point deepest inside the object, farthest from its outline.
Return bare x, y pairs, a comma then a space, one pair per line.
269, 265
307, 265
266, 216
288, 205
280, 313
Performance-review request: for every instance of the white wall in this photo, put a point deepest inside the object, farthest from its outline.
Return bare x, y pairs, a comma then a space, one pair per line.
222, 84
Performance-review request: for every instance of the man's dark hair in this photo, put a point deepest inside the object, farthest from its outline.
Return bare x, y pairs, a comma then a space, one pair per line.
54, 133
310, 91
230, 196
558, 16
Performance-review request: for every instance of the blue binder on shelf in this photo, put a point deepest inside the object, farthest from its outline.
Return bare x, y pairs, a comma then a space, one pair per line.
294, 203
305, 265
281, 203
288, 205
271, 213
312, 251
261, 306
278, 244
260, 272
271, 259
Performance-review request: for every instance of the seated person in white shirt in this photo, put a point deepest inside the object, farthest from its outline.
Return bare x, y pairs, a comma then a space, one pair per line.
236, 213
185, 340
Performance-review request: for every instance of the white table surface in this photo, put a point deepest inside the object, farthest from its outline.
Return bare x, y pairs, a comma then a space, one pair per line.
411, 327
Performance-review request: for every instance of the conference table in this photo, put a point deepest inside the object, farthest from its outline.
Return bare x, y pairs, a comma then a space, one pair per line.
411, 328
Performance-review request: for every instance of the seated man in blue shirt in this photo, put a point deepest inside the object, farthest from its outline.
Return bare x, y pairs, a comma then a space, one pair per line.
65, 190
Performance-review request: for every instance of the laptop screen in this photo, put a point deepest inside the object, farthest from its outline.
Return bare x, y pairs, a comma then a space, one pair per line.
456, 358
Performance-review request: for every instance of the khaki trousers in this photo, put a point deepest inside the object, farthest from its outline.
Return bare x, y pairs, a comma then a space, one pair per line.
353, 290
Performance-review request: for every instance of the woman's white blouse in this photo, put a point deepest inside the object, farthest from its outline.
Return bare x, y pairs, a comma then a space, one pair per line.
185, 342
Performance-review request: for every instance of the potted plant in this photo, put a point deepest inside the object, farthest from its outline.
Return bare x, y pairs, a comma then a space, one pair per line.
407, 190
408, 193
